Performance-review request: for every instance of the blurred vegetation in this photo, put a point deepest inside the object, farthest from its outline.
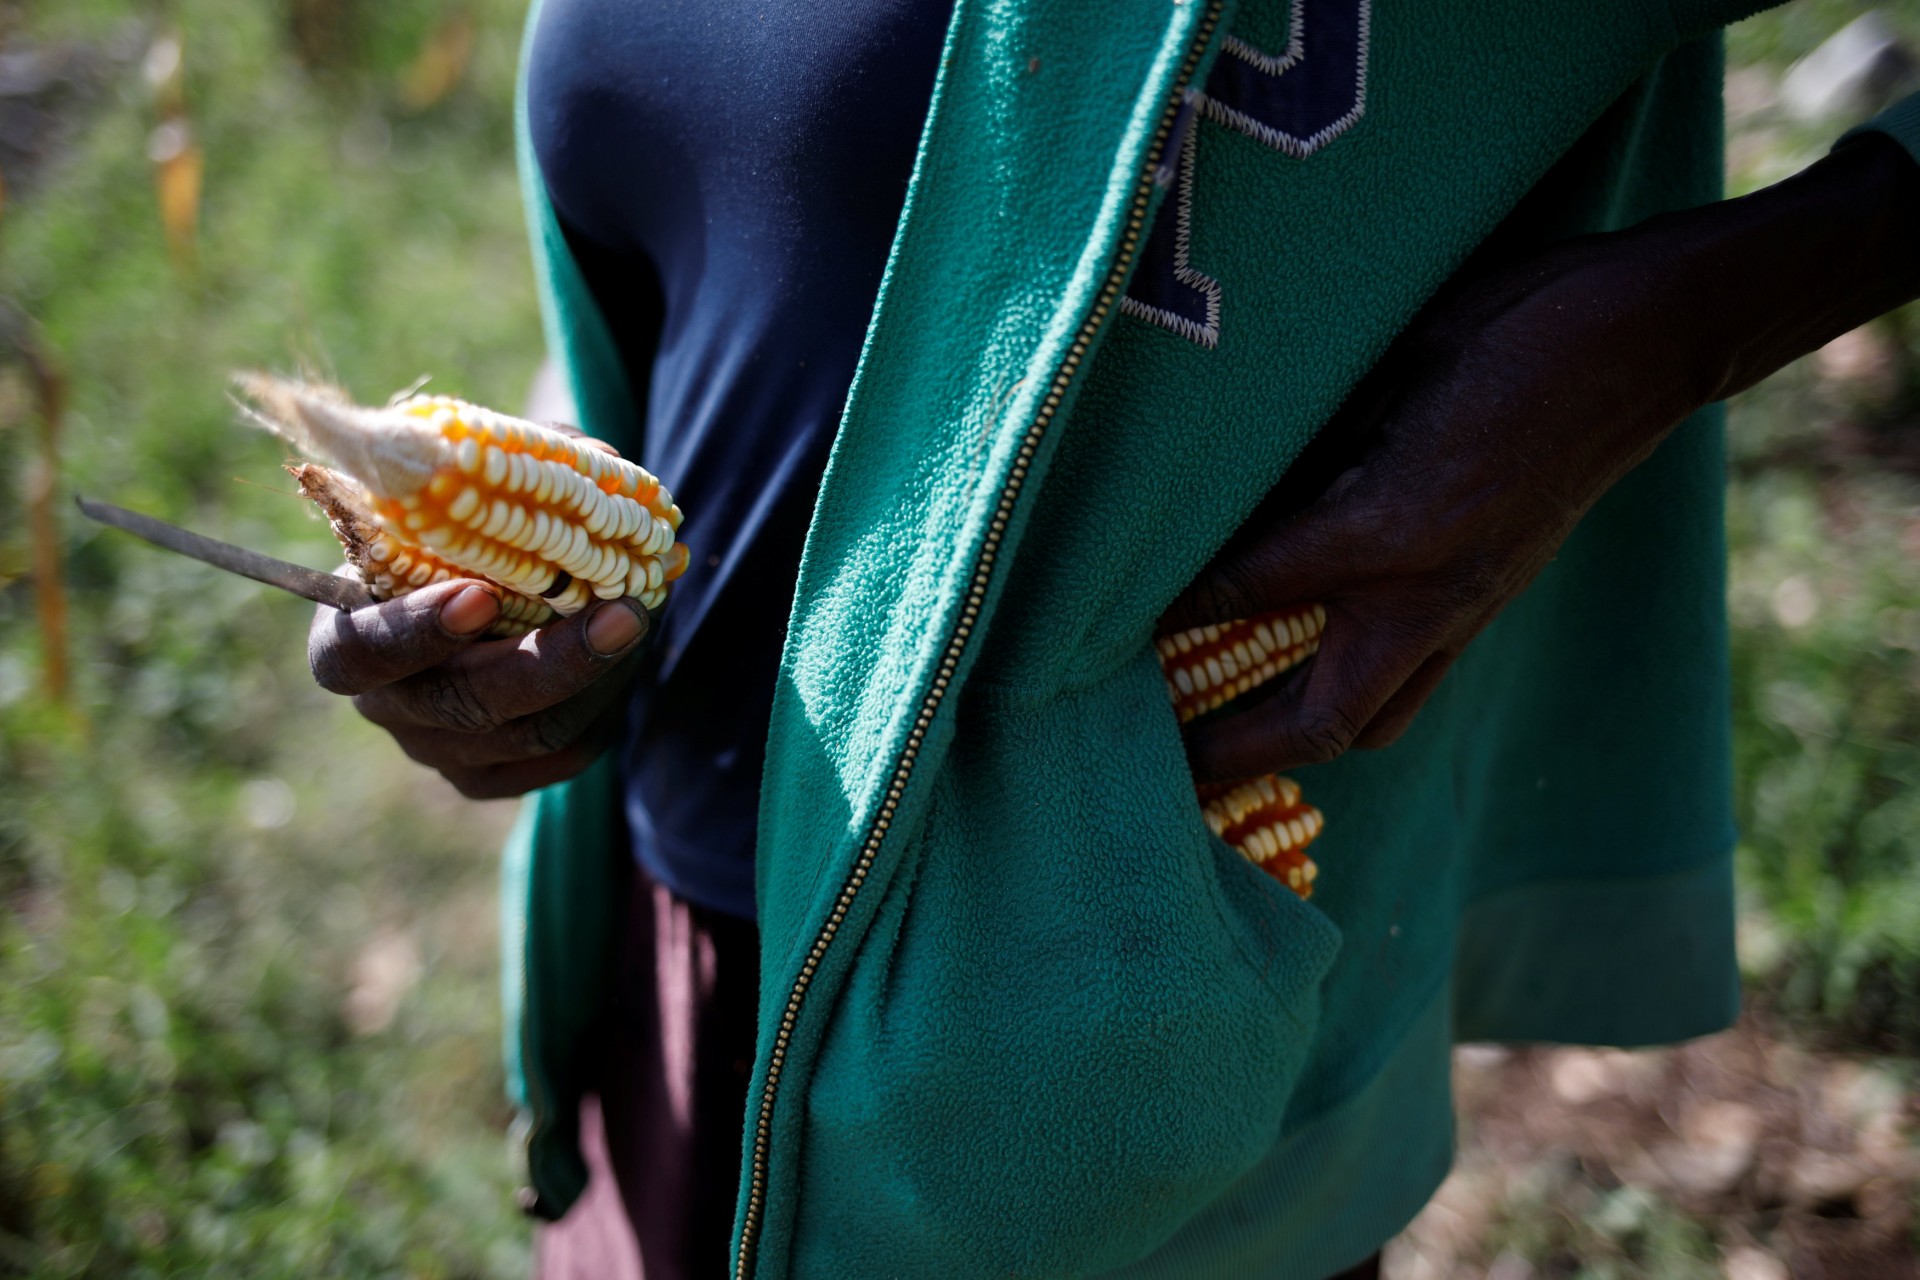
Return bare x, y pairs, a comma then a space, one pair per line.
246, 954
247, 1021
1824, 523
1786, 1149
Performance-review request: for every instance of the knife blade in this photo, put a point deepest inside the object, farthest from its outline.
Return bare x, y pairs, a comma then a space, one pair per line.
309, 584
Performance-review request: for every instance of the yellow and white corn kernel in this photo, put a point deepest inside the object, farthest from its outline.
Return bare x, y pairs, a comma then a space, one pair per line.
1269, 824
1206, 667
1265, 820
544, 515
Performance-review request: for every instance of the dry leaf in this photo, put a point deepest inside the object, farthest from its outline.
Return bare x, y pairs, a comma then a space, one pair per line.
161, 68
178, 166
20, 339
441, 62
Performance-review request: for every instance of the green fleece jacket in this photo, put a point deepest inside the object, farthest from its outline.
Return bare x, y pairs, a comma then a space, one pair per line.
1021, 1013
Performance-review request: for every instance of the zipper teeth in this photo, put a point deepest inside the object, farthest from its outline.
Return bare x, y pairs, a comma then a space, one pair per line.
956, 646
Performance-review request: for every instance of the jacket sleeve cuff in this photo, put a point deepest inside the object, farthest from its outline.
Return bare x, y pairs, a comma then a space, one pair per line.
1901, 122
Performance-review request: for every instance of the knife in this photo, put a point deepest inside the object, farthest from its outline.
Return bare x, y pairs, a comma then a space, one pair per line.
309, 584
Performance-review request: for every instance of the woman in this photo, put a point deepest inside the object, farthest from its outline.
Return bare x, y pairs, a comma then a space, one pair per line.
1018, 1013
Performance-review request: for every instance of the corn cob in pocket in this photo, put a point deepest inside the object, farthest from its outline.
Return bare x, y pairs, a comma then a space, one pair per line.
1265, 819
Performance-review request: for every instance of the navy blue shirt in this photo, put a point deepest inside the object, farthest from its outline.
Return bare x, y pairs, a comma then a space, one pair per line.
729, 177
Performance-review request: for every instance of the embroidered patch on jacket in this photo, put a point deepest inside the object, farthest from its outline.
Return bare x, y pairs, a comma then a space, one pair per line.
1295, 103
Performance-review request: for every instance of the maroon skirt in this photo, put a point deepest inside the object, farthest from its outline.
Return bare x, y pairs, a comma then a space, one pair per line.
663, 1138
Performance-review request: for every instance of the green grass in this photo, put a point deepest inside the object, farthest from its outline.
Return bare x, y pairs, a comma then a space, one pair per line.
204, 857
1825, 595
1621, 1233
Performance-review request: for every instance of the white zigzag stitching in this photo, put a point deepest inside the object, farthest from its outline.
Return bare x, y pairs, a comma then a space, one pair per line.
1296, 46
1208, 335
1298, 148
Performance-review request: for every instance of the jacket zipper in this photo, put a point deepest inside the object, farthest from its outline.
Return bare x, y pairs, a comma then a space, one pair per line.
957, 640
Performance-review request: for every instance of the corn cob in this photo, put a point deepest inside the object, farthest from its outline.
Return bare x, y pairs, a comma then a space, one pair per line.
1211, 665
1265, 820
387, 566
1269, 824
431, 488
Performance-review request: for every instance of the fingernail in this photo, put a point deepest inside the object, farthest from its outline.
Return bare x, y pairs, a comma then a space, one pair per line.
469, 611
613, 627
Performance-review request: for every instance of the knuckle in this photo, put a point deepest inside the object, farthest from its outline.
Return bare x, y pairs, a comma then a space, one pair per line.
548, 734
1476, 577
451, 700
1325, 735
327, 660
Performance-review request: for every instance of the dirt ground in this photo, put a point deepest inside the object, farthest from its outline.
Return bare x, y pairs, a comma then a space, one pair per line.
1739, 1156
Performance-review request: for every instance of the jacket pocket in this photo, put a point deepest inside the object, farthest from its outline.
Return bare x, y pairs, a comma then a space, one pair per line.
1075, 1021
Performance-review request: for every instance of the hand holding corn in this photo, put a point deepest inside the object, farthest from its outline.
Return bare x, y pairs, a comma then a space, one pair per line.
495, 718
520, 562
